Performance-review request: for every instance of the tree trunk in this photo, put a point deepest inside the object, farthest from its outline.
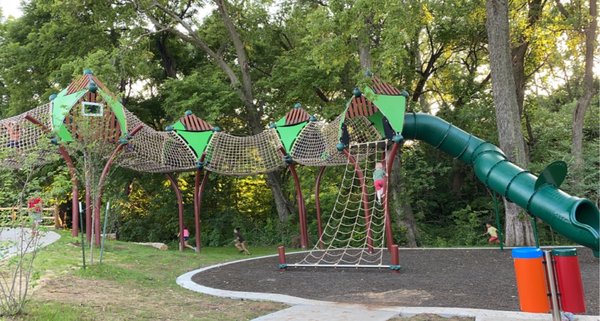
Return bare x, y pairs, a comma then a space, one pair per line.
518, 229
588, 89
401, 205
166, 59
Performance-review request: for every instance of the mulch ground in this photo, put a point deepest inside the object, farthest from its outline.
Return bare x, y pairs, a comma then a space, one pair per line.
482, 279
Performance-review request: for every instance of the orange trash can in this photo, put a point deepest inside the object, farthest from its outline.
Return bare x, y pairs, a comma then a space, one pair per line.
531, 279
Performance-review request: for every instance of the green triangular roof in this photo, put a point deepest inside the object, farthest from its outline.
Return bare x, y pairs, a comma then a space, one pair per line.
392, 107
288, 134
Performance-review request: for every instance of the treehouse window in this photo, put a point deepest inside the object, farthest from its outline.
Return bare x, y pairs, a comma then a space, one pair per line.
92, 109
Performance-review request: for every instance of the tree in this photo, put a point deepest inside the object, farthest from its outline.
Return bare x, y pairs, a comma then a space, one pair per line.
237, 67
589, 90
518, 230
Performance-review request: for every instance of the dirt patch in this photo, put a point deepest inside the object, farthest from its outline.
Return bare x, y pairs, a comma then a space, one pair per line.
115, 301
481, 279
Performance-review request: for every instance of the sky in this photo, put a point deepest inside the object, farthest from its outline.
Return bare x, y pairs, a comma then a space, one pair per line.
10, 8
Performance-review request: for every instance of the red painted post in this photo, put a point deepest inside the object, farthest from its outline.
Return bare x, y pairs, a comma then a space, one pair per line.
395, 258
200, 195
318, 204
180, 207
389, 164
198, 191
301, 208
282, 262
72, 172
102, 179
365, 199
299, 199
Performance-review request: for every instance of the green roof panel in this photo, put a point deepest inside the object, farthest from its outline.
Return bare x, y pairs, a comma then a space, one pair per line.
288, 134
62, 104
117, 108
392, 107
198, 141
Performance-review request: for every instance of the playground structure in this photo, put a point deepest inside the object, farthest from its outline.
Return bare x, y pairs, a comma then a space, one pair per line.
374, 116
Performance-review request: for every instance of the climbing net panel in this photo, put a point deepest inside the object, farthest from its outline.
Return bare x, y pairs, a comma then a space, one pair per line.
155, 151
19, 138
235, 155
352, 236
316, 144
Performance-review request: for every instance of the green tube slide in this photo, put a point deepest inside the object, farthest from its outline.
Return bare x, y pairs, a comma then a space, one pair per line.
576, 218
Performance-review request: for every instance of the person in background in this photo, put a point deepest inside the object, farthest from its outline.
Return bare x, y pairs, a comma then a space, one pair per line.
492, 232
240, 242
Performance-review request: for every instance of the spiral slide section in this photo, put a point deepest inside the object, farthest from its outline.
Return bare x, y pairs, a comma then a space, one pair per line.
576, 218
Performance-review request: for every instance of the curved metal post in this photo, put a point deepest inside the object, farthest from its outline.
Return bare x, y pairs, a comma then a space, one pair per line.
199, 221
102, 179
365, 199
301, 208
389, 164
318, 204
180, 207
299, 199
72, 172
198, 191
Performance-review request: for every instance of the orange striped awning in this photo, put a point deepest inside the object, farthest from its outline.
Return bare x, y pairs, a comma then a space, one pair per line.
360, 106
296, 116
382, 88
195, 124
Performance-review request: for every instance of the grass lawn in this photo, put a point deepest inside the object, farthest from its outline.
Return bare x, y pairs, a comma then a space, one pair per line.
134, 282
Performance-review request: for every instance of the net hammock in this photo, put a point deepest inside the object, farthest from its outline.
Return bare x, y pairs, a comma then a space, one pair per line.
349, 239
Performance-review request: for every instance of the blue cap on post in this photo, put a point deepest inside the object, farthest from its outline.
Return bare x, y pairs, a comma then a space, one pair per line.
188, 112
92, 87
88, 71
297, 105
51, 98
527, 253
356, 92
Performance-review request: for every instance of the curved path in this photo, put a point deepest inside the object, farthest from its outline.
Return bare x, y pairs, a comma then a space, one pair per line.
260, 275
15, 240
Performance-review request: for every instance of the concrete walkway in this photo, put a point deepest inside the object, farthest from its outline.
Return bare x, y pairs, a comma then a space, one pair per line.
16, 240
314, 310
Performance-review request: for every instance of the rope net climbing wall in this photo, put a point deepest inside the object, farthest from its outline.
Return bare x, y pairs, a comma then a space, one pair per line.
346, 241
249, 155
316, 145
155, 151
19, 138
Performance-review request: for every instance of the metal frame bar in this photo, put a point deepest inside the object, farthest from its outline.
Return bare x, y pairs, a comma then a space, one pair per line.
180, 208
389, 164
102, 180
